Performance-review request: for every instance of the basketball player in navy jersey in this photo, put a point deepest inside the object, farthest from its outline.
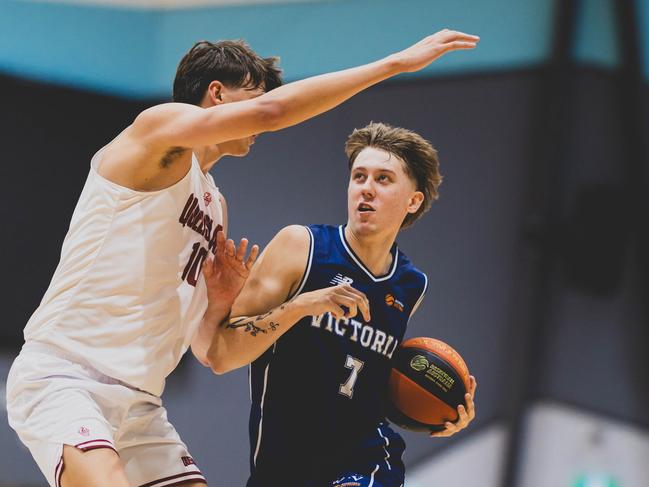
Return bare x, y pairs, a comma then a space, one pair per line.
315, 321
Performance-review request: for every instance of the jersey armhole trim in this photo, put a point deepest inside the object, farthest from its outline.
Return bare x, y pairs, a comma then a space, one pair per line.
307, 270
421, 297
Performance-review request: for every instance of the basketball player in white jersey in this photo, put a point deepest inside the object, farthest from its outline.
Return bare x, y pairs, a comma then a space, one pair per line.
127, 298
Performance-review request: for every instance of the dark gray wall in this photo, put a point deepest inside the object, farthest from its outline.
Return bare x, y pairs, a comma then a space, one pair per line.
595, 353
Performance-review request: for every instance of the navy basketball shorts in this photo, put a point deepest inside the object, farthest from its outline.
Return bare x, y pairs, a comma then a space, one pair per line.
377, 462
380, 463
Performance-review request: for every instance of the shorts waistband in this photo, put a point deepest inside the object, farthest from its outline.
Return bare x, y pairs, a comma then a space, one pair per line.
49, 349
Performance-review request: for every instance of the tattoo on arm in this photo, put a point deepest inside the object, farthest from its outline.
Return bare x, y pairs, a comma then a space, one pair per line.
249, 326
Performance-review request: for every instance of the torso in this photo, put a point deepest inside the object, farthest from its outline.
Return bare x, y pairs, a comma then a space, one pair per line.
127, 295
321, 387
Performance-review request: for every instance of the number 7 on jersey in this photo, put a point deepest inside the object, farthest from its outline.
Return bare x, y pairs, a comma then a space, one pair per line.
347, 389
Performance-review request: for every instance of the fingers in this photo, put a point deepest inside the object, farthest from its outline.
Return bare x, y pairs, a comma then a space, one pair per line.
469, 397
470, 406
226, 249
229, 248
254, 252
337, 301
455, 35
453, 46
449, 430
220, 242
361, 300
465, 416
208, 267
241, 249
355, 300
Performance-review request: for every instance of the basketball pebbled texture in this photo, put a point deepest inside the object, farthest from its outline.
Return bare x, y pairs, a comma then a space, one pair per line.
428, 381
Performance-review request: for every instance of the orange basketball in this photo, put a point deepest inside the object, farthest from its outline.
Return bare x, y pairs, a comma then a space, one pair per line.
427, 383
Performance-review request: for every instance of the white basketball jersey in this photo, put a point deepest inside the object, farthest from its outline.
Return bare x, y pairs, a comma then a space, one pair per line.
127, 295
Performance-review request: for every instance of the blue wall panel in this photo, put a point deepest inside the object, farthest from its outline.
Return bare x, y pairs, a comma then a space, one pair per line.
134, 52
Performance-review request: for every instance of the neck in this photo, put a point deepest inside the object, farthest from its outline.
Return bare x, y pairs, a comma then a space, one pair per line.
372, 250
208, 156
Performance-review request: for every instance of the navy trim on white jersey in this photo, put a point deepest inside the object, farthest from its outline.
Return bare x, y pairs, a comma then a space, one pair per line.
395, 258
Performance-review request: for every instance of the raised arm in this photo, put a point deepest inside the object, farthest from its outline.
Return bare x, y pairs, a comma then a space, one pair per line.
263, 312
176, 124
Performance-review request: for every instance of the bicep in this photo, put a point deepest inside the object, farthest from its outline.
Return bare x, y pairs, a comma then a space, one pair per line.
277, 271
184, 125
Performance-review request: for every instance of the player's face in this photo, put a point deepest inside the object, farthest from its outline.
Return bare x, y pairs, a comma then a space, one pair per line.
239, 147
380, 193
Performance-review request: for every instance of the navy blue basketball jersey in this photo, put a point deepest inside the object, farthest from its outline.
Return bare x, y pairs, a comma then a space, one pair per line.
318, 393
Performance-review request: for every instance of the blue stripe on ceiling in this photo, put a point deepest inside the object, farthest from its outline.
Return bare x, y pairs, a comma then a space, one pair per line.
135, 52
106, 49
596, 42
643, 28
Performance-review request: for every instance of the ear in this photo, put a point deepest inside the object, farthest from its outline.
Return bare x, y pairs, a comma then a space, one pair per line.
415, 201
215, 92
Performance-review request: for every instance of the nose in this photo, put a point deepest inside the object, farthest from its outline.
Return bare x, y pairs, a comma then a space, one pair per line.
367, 189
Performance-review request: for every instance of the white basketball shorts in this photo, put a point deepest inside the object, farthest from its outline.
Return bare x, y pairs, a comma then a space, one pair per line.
53, 400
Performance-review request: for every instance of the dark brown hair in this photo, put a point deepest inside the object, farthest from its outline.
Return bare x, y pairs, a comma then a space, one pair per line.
421, 162
233, 63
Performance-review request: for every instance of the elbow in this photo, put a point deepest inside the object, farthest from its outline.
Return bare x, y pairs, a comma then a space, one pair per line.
219, 368
218, 363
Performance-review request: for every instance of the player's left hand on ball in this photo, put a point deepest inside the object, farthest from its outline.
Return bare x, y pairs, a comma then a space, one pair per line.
226, 272
466, 414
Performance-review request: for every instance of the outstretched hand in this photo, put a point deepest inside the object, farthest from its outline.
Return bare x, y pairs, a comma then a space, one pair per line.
466, 415
226, 272
420, 55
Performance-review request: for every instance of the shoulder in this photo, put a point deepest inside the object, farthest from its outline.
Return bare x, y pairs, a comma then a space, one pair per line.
284, 259
414, 282
162, 113
292, 238
412, 274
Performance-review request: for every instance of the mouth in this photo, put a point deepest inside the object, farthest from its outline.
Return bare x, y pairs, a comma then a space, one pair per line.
365, 208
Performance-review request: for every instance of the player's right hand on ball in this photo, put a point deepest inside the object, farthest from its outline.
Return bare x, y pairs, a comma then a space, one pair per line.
342, 301
420, 55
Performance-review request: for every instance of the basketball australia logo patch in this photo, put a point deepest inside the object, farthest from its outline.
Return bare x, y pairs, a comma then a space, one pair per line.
393, 302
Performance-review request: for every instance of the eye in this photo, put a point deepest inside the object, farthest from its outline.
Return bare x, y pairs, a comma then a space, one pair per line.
383, 178
359, 176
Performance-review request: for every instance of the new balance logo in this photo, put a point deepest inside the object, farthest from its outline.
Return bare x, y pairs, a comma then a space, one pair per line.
340, 279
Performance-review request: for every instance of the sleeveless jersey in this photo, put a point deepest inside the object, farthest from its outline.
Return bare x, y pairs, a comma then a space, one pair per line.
318, 393
127, 296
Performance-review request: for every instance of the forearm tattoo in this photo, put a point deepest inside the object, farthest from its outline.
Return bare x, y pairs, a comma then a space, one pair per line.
249, 326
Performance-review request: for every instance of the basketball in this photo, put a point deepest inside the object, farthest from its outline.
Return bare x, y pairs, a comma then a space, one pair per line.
427, 383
